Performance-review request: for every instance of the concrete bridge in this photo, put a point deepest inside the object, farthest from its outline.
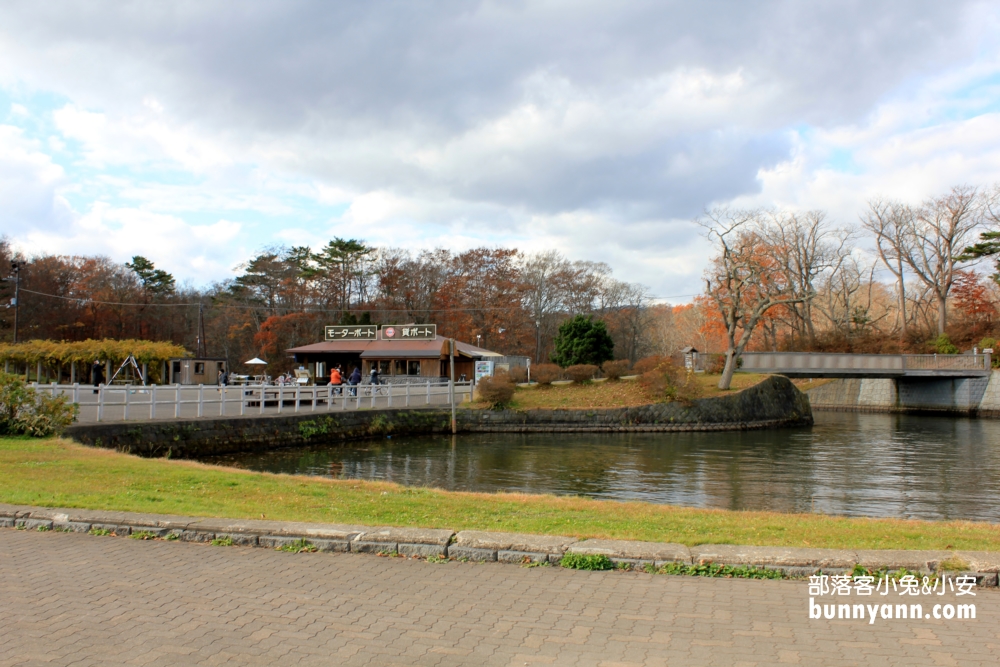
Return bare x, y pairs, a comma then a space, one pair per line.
837, 365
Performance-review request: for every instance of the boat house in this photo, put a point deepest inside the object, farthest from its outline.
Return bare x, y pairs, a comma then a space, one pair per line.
402, 353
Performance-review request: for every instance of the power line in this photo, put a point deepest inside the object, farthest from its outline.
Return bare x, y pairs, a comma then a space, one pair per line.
83, 301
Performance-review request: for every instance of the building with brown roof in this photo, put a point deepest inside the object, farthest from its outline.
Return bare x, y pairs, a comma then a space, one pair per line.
396, 360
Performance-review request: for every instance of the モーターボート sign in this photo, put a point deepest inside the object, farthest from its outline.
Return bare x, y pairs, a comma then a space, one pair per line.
354, 332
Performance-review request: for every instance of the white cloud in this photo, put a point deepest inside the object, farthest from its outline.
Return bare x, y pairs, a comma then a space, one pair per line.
200, 252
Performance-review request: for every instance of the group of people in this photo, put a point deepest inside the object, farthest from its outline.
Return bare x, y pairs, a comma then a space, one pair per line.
353, 380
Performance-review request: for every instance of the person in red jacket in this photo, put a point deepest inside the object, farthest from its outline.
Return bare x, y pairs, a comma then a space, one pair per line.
336, 379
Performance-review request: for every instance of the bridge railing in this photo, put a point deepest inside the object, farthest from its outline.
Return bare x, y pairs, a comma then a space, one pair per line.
833, 361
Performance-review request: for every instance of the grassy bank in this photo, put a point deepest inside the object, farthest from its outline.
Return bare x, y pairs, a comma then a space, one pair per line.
611, 394
60, 473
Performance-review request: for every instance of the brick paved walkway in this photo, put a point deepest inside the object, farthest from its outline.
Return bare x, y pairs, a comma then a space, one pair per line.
73, 599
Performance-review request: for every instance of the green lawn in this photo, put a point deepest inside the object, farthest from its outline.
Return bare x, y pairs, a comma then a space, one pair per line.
59, 473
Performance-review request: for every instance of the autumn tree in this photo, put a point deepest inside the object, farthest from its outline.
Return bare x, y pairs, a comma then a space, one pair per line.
744, 279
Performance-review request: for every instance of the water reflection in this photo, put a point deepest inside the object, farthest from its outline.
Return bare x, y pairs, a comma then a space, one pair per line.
850, 464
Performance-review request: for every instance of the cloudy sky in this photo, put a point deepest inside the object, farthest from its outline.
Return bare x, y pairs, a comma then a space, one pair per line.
196, 133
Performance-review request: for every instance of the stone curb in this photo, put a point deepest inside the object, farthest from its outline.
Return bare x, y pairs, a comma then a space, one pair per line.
486, 546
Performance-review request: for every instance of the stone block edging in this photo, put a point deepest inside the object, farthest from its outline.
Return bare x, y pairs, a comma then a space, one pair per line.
485, 546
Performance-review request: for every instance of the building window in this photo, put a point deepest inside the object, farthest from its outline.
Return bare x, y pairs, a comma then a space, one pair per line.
384, 367
400, 367
414, 367
199, 368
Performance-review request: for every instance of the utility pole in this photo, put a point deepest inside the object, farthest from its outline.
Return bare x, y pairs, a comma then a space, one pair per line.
16, 266
451, 383
201, 331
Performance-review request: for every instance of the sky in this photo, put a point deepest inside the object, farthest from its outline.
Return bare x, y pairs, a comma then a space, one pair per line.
199, 133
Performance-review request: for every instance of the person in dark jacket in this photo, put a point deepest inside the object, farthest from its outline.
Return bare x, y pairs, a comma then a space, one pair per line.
97, 374
354, 380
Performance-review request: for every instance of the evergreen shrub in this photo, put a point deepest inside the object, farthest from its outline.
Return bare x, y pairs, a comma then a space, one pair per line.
24, 411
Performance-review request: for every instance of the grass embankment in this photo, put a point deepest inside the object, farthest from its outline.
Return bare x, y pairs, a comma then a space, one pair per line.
60, 473
611, 394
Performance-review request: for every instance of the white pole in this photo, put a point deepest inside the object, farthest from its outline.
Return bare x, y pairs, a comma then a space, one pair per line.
281, 396
315, 397
428, 392
177, 401
298, 395
125, 411
222, 400
152, 402
76, 392
261, 398
100, 402
390, 395
243, 400
201, 400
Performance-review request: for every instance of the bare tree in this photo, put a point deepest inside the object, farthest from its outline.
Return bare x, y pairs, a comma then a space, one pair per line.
745, 280
806, 246
891, 222
936, 238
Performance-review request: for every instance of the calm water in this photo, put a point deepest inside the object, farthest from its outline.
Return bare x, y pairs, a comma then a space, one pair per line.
850, 464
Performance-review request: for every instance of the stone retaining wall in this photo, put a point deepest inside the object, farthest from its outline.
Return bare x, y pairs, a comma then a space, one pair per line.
977, 396
486, 546
773, 403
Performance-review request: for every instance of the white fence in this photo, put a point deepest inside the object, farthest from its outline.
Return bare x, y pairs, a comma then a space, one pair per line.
138, 402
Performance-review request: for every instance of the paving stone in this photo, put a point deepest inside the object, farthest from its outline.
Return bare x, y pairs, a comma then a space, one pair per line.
279, 528
33, 524
924, 561
6, 522
634, 552
406, 535
374, 547
980, 561
71, 526
548, 544
196, 536
14, 511
774, 556
459, 552
504, 556
423, 550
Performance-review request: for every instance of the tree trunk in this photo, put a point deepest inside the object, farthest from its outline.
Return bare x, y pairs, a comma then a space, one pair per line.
942, 314
727, 372
902, 299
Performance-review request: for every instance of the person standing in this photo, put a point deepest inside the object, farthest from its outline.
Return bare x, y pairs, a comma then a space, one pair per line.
355, 380
336, 379
97, 374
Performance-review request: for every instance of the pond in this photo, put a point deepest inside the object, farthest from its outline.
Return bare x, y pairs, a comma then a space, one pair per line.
847, 464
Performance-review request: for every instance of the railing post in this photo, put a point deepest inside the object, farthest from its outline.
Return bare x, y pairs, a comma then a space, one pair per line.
201, 400
100, 402
298, 394
243, 400
390, 394
152, 401
262, 398
222, 400
177, 400
407, 394
281, 397
125, 411
428, 392
315, 398
76, 392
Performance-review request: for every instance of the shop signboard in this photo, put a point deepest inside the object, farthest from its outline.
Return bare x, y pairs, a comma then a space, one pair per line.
409, 332
483, 369
353, 332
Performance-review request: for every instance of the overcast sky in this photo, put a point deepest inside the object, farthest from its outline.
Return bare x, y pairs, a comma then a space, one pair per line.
196, 133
